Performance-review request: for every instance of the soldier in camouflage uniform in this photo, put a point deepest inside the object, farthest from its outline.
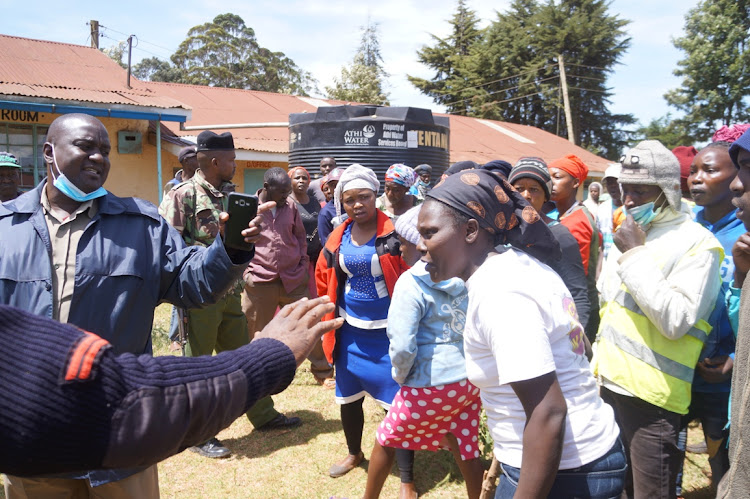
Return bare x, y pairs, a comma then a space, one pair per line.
193, 207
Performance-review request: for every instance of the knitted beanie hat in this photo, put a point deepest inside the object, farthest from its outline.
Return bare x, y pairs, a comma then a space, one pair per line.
406, 225
533, 168
650, 163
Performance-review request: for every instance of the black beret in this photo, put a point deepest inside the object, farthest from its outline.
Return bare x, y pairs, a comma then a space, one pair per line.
185, 153
210, 141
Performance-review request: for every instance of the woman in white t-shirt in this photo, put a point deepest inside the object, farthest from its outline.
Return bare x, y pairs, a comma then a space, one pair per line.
524, 346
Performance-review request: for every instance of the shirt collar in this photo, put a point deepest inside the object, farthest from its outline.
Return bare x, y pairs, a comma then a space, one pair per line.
90, 205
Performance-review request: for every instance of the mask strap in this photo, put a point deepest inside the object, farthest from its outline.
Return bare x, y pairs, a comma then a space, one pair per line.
54, 162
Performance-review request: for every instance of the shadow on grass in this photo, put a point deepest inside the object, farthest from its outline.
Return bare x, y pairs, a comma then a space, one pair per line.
262, 443
697, 491
702, 493
432, 470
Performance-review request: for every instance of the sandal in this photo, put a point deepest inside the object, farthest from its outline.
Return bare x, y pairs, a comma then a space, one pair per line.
329, 383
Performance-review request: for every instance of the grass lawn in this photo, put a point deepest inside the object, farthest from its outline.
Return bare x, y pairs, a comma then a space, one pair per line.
294, 463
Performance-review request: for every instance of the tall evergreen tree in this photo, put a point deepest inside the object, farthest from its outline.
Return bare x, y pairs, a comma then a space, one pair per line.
511, 71
716, 67
591, 42
363, 80
453, 84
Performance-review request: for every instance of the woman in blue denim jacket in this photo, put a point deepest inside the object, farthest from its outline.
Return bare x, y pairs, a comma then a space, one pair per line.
437, 407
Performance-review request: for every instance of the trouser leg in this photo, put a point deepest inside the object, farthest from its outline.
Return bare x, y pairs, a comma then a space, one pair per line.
258, 304
650, 437
203, 329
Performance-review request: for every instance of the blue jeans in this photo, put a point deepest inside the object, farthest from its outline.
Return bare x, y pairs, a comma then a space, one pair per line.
602, 478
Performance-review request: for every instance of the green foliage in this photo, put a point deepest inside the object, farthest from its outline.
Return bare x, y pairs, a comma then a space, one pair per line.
452, 83
363, 80
155, 69
358, 83
509, 71
668, 131
225, 53
117, 53
716, 67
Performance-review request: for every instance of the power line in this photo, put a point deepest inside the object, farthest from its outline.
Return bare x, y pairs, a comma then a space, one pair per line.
507, 89
587, 77
590, 90
171, 51
509, 77
585, 66
537, 94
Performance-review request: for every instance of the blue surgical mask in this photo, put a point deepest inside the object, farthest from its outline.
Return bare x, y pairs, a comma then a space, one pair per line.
64, 185
643, 214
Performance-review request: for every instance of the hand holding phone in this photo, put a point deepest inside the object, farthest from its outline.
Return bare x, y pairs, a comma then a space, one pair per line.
242, 209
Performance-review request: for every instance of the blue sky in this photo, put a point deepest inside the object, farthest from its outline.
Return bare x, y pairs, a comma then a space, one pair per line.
321, 36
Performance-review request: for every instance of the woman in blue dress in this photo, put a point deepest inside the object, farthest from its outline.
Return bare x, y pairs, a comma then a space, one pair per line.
358, 269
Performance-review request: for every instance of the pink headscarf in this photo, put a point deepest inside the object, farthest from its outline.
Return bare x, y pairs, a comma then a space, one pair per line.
730, 133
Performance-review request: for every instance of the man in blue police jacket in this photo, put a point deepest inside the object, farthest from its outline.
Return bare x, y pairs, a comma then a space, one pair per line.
73, 252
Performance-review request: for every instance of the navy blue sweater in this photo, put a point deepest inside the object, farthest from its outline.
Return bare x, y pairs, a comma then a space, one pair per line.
68, 403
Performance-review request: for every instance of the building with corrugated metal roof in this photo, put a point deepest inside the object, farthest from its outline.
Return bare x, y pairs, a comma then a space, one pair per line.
149, 122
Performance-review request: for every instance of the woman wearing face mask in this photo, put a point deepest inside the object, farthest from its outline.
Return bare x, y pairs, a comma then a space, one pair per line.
396, 199
553, 435
358, 269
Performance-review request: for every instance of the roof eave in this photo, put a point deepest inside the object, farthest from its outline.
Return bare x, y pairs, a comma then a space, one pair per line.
58, 106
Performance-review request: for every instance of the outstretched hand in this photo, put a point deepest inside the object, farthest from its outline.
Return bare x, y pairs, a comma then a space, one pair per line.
252, 233
298, 325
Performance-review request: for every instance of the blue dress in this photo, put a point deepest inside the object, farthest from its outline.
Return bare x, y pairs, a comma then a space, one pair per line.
363, 365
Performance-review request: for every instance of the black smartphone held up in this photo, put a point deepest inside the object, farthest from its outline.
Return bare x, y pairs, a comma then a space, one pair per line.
242, 209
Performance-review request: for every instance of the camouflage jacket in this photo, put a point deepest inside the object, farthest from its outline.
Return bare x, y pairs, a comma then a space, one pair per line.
193, 207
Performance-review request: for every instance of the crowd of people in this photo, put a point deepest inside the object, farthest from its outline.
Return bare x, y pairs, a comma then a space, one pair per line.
590, 332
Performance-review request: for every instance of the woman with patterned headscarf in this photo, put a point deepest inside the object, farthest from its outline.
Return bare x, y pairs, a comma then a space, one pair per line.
396, 199
524, 347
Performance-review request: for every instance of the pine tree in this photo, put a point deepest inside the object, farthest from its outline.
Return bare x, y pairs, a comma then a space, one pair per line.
363, 80
452, 83
716, 67
511, 70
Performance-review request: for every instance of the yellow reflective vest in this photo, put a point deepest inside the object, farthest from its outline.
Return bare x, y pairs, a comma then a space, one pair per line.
656, 299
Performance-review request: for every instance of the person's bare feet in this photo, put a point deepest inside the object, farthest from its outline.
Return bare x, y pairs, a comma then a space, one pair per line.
407, 491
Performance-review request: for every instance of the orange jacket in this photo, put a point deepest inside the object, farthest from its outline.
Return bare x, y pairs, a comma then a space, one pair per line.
330, 279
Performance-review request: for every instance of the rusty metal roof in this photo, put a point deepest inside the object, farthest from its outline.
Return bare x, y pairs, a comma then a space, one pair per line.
40, 69
471, 138
66, 72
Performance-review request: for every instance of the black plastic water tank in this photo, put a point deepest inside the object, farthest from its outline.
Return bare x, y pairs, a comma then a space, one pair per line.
375, 137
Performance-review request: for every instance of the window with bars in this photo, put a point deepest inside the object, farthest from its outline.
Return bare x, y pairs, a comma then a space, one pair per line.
25, 143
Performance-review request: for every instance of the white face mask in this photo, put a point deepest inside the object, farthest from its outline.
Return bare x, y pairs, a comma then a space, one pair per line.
64, 185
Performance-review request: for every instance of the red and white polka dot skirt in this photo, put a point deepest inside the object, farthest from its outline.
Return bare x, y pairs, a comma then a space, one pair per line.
420, 418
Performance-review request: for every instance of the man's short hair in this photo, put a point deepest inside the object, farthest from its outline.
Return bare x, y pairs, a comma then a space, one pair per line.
275, 175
